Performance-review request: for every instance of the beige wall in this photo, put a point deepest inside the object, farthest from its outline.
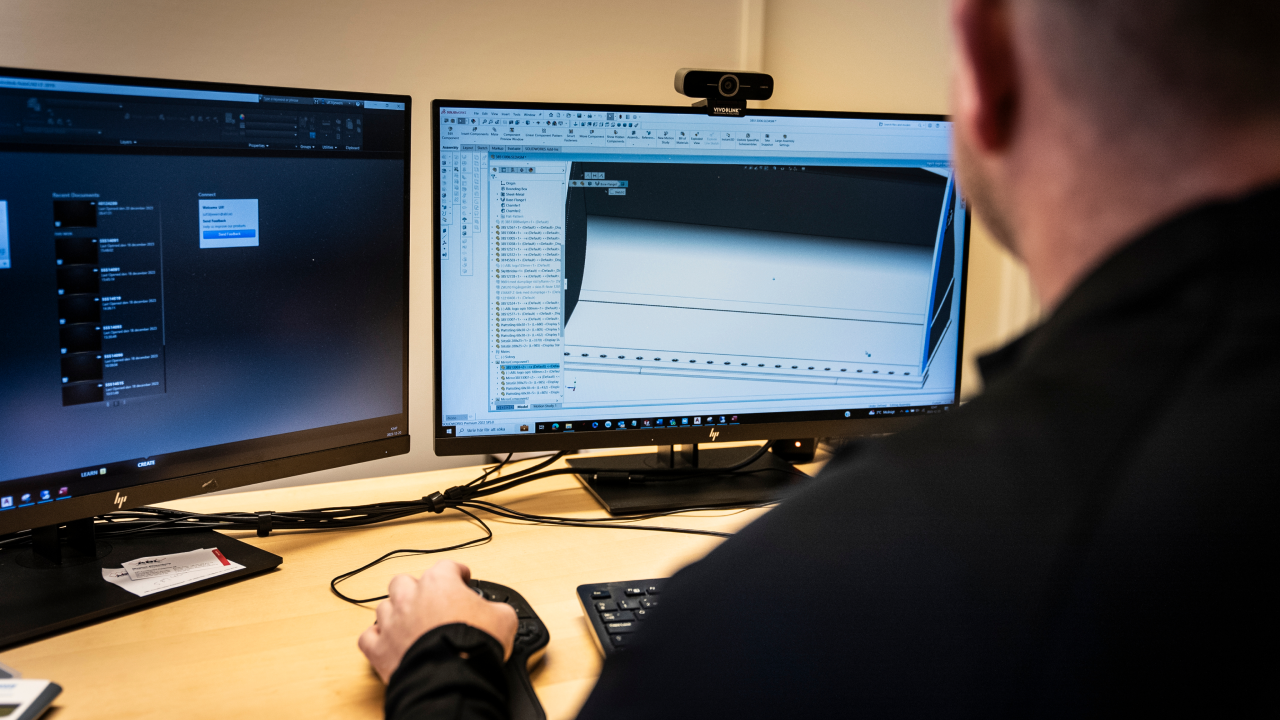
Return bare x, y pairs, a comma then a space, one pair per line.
891, 56
878, 55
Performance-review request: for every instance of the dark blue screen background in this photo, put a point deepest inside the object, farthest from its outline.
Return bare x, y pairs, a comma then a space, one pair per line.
303, 331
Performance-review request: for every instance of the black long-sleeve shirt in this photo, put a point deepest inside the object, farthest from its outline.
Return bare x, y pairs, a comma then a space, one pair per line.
453, 671
1091, 536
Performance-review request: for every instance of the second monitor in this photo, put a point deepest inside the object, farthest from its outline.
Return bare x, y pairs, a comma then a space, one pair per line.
612, 276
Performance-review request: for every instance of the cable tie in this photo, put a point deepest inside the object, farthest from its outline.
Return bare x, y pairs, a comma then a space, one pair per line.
264, 522
435, 502
455, 492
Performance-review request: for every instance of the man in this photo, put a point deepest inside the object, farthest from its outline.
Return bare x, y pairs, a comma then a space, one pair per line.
1089, 537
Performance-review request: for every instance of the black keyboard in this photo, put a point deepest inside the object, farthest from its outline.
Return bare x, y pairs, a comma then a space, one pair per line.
617, 610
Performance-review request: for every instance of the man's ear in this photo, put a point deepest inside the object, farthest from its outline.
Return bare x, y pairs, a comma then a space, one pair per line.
986, 81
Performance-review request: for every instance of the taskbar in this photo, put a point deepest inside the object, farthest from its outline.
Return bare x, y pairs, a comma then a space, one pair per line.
30, 491
668, 422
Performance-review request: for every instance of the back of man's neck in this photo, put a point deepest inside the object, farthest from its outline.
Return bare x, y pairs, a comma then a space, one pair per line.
1092, 203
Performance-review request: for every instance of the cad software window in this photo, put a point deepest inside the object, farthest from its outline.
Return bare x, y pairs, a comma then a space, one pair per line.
665, 265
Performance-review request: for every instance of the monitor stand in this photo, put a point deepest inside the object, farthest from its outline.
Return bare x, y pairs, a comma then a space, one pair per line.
56, 582
766, 480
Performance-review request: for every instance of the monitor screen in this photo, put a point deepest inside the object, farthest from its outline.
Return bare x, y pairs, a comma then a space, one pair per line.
195, 277
622, 274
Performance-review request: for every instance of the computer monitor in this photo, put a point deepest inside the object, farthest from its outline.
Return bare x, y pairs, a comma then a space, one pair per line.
205, 286
611, 276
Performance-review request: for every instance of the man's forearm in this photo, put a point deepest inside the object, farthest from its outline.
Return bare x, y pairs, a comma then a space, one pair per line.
454, 671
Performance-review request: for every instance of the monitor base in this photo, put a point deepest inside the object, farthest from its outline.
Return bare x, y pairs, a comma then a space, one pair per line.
38, 597
766, 480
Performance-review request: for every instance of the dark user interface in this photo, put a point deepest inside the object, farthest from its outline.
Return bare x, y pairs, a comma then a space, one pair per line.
109, 316
171, 306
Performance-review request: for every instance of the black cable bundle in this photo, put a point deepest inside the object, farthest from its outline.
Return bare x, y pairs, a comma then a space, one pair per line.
462, 498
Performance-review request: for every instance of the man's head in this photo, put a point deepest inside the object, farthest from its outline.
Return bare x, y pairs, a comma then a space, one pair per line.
1139, 61
1081, 122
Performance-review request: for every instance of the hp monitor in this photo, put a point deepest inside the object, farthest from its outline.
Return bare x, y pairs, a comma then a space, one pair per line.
611, 276
205, 286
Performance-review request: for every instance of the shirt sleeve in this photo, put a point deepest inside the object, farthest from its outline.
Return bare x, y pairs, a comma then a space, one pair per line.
454, 671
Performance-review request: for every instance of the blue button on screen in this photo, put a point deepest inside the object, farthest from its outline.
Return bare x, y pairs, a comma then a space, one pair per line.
216, 234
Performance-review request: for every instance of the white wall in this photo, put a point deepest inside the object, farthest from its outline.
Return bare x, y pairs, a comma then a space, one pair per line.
878, 55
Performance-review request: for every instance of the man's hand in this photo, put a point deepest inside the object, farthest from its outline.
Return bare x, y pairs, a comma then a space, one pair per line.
415, 606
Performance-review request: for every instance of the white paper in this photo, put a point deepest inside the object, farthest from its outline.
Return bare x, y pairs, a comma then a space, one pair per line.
158, 565
148, 575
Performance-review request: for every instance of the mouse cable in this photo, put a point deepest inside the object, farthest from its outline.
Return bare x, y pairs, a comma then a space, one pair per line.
333, 584
506, 512
439, 504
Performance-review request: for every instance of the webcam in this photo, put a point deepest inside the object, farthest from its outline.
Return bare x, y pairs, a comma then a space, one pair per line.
726, 84
724, 92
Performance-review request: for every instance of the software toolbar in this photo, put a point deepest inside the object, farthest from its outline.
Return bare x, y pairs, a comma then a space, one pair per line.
43, 112
471, 130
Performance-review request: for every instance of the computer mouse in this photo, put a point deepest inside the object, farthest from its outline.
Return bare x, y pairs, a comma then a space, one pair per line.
530, 646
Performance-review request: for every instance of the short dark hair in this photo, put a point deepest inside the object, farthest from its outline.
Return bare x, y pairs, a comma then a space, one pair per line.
1216, 59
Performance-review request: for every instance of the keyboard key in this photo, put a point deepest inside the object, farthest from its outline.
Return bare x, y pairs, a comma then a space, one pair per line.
621, 608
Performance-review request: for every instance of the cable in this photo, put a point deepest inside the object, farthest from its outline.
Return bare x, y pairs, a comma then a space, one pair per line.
148, 519
333, 584
501, 511
610, 475
506, 512
479, 487
462, 498
154, 520
521, 473
490, 471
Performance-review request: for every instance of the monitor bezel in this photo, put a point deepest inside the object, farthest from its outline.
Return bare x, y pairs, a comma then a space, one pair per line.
99, 503
533, 442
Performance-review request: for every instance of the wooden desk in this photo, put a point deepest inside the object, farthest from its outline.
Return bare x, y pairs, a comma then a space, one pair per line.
281, 645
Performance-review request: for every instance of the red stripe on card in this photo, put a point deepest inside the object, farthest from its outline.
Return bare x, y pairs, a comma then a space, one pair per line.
221, 557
